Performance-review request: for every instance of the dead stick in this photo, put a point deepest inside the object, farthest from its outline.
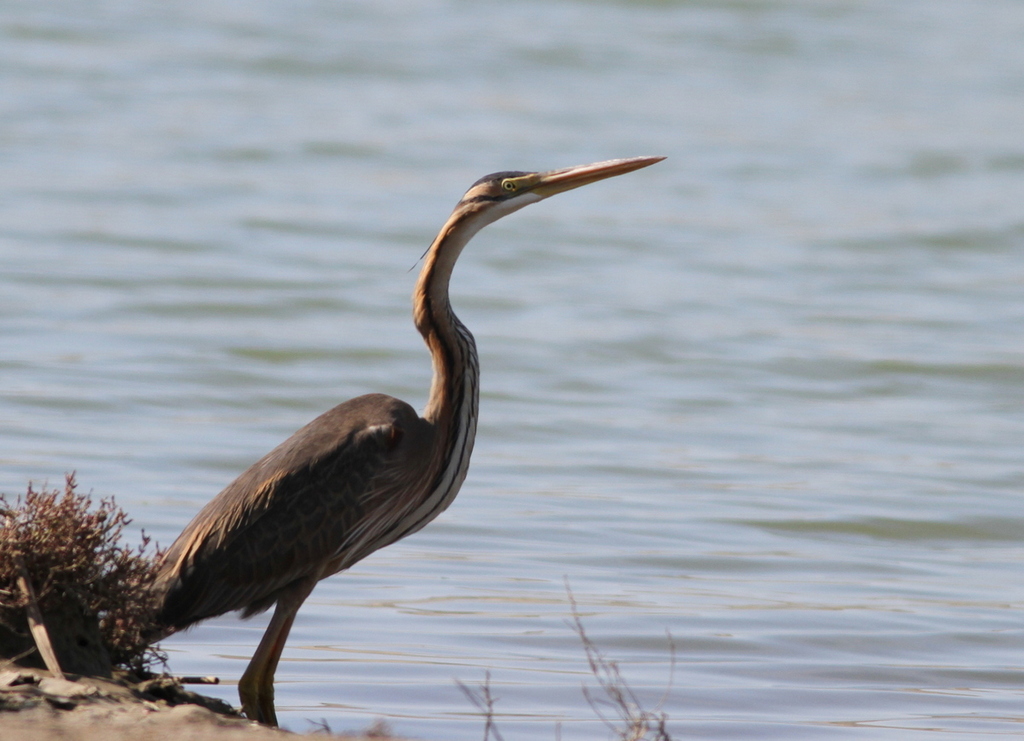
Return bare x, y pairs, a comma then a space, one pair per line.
198, 680
35, 622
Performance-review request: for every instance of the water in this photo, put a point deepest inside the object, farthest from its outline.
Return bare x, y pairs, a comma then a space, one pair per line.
767, 396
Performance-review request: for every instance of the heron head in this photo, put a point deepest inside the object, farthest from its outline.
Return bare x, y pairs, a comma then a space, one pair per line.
502, 193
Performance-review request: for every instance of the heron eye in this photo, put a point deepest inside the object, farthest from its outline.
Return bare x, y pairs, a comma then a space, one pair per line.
509, 186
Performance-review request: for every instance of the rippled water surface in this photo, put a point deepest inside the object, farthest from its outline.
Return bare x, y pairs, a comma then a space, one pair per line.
766, 396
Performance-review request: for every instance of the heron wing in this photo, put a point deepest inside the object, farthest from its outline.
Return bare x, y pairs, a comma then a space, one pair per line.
287, 515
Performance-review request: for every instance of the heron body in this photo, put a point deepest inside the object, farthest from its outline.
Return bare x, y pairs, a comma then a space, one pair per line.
358, 477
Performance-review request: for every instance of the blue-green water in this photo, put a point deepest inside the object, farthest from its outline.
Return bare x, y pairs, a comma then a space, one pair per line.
767, 395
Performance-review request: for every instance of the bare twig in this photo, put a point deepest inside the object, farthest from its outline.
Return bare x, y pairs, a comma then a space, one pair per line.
484, 702
321, 727
35, 620
634, 722
199, 680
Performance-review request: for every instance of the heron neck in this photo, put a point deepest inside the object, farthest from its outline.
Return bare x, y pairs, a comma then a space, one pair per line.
454, 389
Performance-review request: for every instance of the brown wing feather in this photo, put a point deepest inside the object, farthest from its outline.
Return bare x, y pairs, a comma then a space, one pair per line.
288, 515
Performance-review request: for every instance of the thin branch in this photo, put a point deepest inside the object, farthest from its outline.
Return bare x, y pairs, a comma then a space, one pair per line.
35, 621
484, 702
634, 722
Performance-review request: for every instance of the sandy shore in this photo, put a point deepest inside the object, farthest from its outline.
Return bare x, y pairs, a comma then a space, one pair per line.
35, 706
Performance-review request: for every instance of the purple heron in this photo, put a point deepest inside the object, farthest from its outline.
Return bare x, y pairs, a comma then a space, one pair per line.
356, 478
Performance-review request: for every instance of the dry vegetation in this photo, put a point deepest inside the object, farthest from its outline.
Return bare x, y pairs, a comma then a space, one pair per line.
634, 722
90, 588
616, 704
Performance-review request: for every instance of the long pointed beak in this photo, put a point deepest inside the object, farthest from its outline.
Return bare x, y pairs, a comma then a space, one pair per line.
559, 181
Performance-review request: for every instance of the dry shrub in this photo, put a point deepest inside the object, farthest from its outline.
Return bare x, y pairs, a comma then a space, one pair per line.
73, 554
633, 722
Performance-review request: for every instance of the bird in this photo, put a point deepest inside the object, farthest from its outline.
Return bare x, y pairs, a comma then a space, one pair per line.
358, 477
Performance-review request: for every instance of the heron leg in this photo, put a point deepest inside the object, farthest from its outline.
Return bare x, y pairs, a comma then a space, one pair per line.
256, 687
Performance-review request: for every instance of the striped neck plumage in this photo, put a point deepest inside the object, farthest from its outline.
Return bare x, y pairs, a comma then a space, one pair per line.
451, 345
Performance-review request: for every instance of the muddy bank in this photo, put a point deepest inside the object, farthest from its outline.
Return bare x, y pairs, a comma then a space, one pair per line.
35, 706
